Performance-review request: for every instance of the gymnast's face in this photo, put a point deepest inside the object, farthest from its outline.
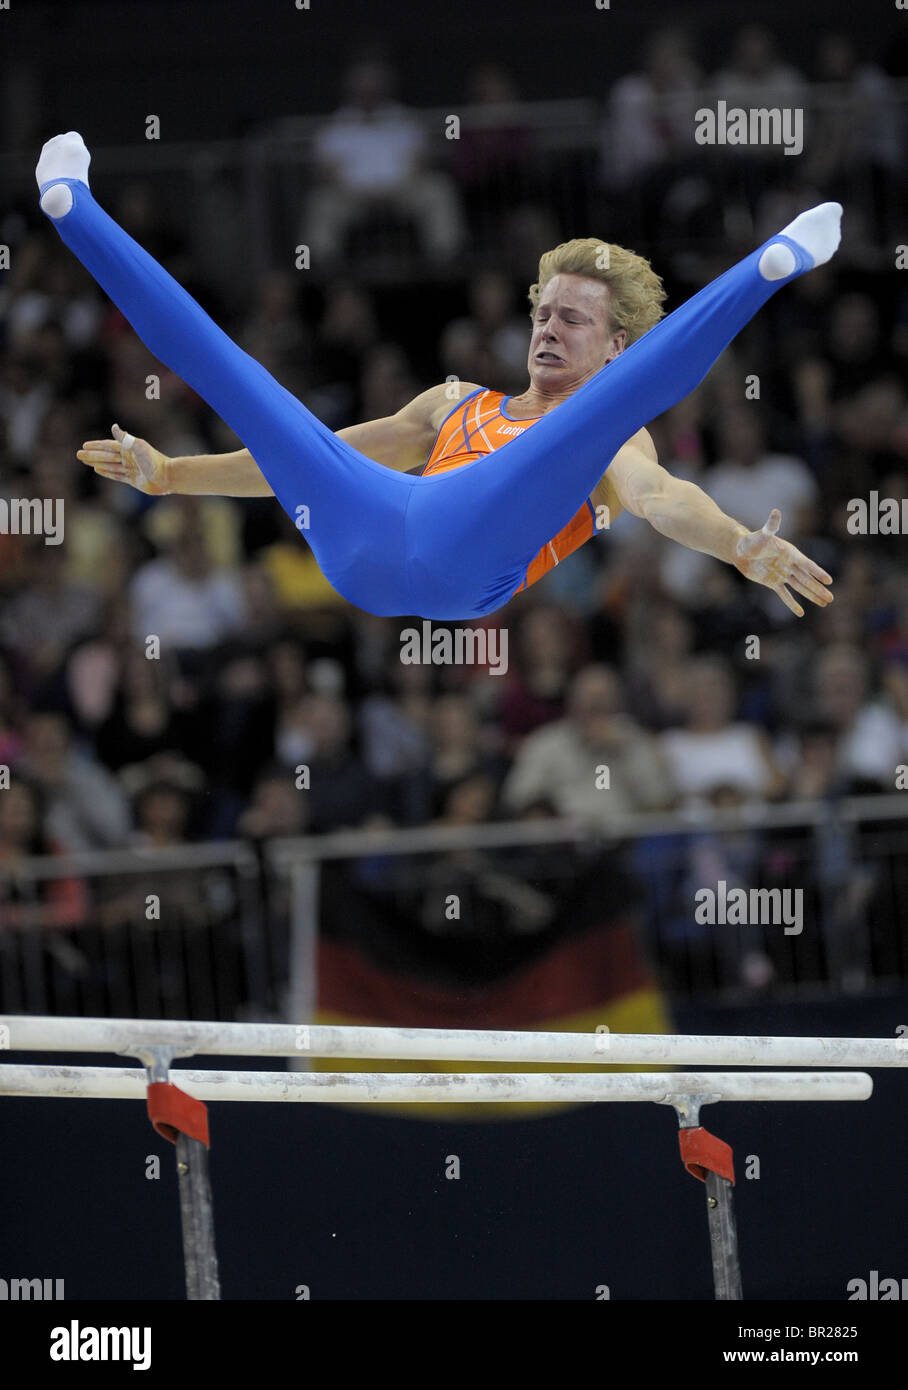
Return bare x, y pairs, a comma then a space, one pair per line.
573, 335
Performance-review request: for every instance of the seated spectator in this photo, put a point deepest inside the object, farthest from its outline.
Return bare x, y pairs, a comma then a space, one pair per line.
162, 813
550, 647
26, 903
84, 806
855, 134
43, 620
182, 598
816, 772
11, 715
596, 764
346, 332
456, 752
342, 794
491, 343
142, 721
658, 667
387, 382
713, 748
275, 333
748, 480
394, 723
872, 739
371, 154
756, 75
491, 160
277, 807
25, 398
854, 344
649, 124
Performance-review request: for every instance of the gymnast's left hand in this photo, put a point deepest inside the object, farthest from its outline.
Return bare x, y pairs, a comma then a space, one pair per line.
766, 559
125, 459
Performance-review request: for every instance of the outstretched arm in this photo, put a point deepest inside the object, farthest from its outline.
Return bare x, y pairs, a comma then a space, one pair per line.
683, 512
401, 442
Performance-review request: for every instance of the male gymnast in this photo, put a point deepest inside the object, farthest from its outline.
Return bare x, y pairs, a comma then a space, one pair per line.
446, 513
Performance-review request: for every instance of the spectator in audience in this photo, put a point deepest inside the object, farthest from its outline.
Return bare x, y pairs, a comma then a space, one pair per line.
856, 135
25, 903
550, 647
25, 398
456, 752
854, 344
647, 154
756, 75
277, 807
342, 794
492, 158
748, 481
490, 344
713, 748
142, 721
11, 715
182, 598
372, 154
48, 615
275, 334
871, 737
346, 332
162, 812
84, 806
757, 78
658, 666
394, 724
816, 773
596, 764
387, 382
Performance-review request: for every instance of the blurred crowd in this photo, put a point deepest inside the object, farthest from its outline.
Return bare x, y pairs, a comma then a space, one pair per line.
267, 706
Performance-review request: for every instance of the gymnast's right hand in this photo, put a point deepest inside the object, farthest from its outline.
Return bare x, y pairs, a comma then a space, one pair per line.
125, 459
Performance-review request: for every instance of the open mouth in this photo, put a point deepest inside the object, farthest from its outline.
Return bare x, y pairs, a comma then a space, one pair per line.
549, 357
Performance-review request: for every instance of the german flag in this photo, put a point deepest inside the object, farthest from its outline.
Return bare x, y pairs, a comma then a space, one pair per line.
583, 970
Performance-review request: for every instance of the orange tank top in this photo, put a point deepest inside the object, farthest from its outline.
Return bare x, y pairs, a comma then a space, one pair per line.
473, 429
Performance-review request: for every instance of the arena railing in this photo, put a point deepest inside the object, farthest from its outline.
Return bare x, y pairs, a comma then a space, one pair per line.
832, 831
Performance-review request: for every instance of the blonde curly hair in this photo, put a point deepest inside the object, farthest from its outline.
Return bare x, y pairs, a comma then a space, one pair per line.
636, 292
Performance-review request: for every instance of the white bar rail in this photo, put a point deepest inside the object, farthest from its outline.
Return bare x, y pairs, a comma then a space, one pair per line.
20, 1033
354, 1088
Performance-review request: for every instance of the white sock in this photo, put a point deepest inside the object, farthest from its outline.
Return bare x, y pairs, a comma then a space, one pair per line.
817, 231
63, 157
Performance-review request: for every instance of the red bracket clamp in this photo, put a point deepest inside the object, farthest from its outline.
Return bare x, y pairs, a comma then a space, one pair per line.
702, 1153
173, 1112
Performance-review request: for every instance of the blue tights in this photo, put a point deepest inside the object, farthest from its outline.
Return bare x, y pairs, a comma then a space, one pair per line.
451, 546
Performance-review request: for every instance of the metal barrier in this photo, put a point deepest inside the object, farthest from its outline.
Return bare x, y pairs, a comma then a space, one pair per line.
252, 933
245, 209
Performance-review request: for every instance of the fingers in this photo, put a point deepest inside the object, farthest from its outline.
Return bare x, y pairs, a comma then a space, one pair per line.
808, 586
814, 570
116, 475
787, 599
108, 458
97, 451
773, 522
